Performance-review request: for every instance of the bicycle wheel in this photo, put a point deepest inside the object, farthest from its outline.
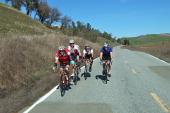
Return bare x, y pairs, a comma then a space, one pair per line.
62, 85
75, 78
86, 71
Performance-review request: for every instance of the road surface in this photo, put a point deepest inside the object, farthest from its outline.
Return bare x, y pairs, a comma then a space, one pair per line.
140, 83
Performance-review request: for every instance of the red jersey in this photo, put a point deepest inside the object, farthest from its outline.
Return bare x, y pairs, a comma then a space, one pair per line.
63, 58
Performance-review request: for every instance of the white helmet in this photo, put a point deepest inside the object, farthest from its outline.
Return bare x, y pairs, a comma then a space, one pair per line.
71, 41
61, 48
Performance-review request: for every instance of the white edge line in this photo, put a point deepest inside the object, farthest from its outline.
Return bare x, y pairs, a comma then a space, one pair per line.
159, 59
40, 100
43, 98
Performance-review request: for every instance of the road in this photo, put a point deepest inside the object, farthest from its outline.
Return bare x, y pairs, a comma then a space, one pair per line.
140, 83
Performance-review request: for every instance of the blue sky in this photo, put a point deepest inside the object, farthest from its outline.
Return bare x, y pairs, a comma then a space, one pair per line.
122, 18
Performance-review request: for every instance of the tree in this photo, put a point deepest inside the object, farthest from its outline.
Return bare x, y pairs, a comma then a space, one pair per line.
30, 5
43, 11
15, 3
126, 42
119, 41
65, 21
54, 16
88, 26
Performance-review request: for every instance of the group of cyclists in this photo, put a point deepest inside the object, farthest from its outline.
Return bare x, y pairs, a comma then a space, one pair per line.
70, 56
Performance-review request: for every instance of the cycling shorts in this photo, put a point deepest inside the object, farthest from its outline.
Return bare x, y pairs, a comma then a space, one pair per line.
63, 65
88, 56
104, 58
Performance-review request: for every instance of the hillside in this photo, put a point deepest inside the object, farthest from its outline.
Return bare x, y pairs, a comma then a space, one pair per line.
147, 39
14, 21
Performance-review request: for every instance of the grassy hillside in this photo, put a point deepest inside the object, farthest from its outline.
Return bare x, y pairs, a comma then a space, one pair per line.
27, 50
146, 39
14, 21
101, 41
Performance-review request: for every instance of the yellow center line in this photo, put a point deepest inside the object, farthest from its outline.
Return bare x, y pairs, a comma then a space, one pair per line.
133, 71
158, 100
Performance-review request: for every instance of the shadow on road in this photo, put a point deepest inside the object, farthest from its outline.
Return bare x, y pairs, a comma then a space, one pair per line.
102, 77
85, 75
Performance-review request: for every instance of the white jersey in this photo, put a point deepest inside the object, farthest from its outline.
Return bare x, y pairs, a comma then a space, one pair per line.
88, 52
75, 48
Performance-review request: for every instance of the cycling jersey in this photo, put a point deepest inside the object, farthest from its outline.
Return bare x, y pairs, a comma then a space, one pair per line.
88, 54
63, 58
106, 52
75, 48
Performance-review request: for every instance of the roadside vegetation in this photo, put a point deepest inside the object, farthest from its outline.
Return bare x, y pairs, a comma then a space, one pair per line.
156, 44
27, 50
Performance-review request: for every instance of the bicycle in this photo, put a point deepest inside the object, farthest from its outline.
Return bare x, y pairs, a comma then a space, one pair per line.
63, 82
87, 66
105, 70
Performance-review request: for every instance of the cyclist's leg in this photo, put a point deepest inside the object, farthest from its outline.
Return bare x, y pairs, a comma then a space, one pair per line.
61, 67
109, 67
91, 63
67, 69
72, 63
78, 61
103, 61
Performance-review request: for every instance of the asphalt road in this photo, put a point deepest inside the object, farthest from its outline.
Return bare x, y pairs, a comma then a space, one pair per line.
140, 83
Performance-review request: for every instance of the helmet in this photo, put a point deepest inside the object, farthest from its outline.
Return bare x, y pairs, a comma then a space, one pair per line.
87, 45
61, 48
71, 41
106, 44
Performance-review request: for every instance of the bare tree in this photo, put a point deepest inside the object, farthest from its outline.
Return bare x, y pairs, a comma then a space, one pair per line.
65, 21
15, 3
30, 5
43, 11
54, 16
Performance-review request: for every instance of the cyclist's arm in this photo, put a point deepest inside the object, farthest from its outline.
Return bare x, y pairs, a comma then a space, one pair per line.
79, 52
84, 53
92, 54
56, 57
111, 55
101, 54
56, 60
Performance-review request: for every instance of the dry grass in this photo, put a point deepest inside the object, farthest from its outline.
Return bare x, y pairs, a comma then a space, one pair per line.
160, 50
26, 67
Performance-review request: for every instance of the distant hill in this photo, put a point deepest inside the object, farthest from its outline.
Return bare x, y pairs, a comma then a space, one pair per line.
146, 39
13, 21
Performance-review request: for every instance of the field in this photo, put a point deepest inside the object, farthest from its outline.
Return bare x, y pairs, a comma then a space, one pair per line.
148, 39
159, 49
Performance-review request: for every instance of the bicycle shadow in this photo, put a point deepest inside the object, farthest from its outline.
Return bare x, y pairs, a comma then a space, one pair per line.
85, 75
102, 77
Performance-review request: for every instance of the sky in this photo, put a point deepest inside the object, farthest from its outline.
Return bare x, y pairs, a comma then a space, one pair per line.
121, 18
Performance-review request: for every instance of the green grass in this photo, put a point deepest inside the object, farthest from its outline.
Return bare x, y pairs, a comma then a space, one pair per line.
13, 21
152, 38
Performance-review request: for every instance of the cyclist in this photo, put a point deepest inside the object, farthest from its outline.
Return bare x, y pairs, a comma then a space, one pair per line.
62, 56
75, 54
88, 54
106, 55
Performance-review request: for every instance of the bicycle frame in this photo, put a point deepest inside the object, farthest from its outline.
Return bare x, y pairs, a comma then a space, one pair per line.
105, 70
63, 82
76, 73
